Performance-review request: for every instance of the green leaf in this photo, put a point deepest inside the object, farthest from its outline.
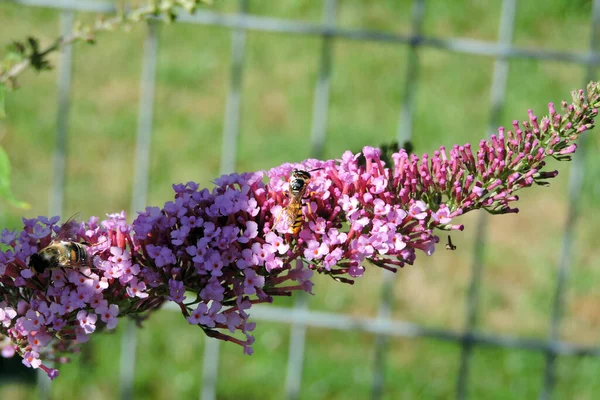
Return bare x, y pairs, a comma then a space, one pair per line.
2, 94
5, 182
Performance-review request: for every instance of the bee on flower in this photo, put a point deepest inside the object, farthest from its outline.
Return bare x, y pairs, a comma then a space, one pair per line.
292, 214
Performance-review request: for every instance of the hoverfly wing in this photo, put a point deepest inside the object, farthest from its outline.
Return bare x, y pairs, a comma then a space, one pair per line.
78, 264
69, 230
79, 267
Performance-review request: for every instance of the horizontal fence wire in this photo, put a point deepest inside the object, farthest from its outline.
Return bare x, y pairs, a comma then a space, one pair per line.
279, 25
397, 328
300, 316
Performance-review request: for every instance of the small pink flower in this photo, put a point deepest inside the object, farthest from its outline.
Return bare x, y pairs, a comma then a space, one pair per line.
212, 316
315, 250
108, 315
349, 204
441, 216
249, 233
137, 289
31, 359
380, 207
233, 321
252, 281
200, 311
277, 242
33, 321
8, 351
418, 210
6, 315
87, 321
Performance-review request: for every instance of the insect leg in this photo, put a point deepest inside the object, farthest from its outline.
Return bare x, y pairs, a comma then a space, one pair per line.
310, 211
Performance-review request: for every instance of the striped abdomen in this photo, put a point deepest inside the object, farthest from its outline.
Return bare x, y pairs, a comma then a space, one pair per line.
294, 215
77, 253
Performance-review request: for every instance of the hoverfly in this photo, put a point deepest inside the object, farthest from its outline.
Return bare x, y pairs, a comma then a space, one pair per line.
293, 211
64, 251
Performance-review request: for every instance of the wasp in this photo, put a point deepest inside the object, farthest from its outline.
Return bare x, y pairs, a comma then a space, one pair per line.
64, 251
450, 245
293, 211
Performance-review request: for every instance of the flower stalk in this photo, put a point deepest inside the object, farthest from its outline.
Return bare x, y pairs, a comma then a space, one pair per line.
235, 245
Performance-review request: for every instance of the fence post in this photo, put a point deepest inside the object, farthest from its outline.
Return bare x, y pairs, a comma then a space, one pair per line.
231, 132
295, 365
405, 127
57, 190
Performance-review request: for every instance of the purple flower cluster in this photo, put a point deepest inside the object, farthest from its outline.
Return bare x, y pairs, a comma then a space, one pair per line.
217, 252
56, 310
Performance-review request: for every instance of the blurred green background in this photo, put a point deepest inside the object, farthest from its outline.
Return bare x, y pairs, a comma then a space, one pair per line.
366, 89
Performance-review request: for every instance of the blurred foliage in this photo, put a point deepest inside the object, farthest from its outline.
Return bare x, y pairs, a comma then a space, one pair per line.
367, 85
5, 191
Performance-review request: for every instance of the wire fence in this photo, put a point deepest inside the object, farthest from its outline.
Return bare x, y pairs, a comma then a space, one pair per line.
300, 317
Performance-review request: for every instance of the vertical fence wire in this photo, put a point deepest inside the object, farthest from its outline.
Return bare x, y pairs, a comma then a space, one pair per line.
140, 189
498, 91
233, 106
145, 116
407, 110
573, 210
231, 132
210, 369
295, 364
56, 203
405, 128
57, 190
321, 100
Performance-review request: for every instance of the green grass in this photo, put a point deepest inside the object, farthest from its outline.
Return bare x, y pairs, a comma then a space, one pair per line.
452, 106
